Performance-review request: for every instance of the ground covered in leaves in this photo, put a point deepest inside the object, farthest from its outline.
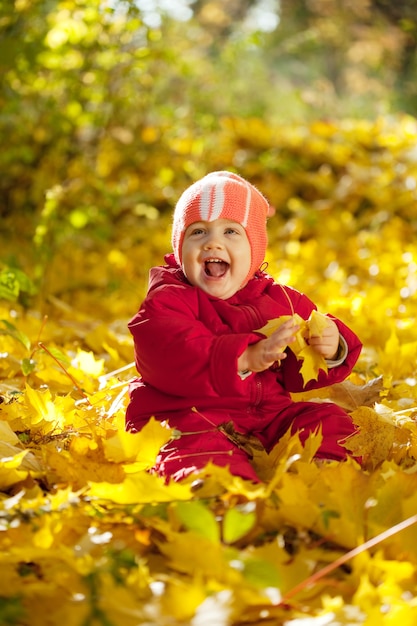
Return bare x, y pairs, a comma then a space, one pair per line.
89, 537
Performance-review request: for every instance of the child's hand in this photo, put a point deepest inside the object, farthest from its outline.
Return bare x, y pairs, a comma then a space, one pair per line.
328, 344
261, 355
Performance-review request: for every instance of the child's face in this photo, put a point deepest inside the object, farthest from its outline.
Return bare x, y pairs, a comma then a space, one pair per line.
216, 256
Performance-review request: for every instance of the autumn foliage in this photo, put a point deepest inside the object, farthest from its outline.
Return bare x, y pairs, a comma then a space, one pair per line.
88, 536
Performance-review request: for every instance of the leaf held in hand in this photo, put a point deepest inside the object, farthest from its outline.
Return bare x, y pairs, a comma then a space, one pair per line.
317, 322
272, 325
312, 361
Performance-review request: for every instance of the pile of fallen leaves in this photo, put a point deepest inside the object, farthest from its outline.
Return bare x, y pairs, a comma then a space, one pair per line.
88, 537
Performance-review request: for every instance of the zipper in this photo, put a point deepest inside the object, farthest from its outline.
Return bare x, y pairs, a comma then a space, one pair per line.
258, 394
255, 321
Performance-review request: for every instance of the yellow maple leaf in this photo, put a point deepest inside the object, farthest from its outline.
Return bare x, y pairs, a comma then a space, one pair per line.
397, 357
375, 437
79, 465
140, 448
87, 363
181, 598
7, 435
190, 552
140, 488
43, 412
317, 322
272, 325
313, 362
43, 407
118, 602
11, 471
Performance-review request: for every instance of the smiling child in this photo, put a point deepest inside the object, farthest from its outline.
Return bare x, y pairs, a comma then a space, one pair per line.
201, 362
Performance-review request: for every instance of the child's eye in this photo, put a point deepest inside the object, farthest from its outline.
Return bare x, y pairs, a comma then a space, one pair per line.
197, 231
230, 231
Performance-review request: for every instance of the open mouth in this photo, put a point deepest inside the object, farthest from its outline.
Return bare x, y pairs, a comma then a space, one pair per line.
215, 268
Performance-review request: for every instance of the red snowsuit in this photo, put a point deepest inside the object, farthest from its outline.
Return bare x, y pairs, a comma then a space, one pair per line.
186, 347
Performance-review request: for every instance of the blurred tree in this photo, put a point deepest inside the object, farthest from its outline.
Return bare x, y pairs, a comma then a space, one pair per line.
113, 115
361, 50
221, 18
109, 109
403, 14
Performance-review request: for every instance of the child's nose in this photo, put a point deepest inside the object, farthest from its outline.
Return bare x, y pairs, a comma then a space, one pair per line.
213, 241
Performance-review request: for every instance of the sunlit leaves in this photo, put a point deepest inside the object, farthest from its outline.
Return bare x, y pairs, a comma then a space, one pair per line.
87, 528
383, 434
312, 361
37, 410
136, 488
141, 448
10, 330
93, 102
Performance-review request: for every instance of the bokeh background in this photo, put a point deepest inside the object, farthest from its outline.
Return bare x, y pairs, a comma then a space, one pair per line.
110, 108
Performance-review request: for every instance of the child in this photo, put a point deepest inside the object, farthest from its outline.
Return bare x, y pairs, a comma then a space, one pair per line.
201, 361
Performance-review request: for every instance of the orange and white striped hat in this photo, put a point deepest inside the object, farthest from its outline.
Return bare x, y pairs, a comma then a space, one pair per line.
223, 195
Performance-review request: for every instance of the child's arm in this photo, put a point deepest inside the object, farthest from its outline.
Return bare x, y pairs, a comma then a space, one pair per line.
261, 355
180, 354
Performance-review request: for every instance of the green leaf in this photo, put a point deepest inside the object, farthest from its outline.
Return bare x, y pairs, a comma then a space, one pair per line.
13, 282
237, 522
327, 515
59, 356
11, 610
28, 365
198, 518
9, 285
261, 573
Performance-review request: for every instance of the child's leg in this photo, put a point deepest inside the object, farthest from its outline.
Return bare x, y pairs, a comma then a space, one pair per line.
190, 453
305, 418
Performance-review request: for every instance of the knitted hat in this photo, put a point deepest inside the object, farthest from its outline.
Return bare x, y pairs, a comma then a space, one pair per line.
223, 195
